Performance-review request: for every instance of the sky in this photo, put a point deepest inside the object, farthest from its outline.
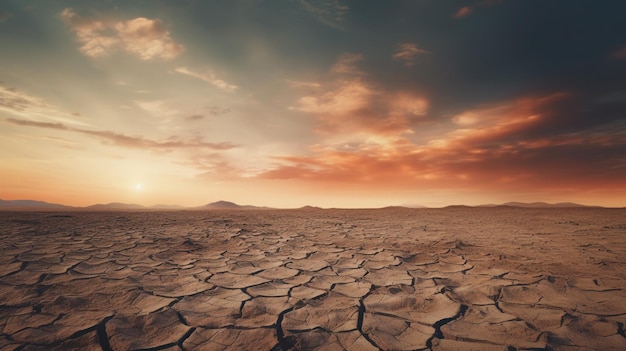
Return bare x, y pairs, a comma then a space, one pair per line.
332, 103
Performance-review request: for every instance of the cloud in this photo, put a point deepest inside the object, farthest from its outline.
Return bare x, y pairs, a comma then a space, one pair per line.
301, 84
329, 12
18, 103
208, 77
218, 111
143, 37
48, 125
349, 108
5, 15
213, 166
467, 10
532, 142
195, 117
408, 53
211, 111
156, 107
463, 12
347, 64
125, 140
347, 96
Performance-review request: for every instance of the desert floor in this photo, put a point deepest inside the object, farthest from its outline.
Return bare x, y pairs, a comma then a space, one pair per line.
389, 279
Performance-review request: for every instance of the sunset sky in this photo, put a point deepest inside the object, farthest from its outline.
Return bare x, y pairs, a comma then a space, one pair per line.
329, 103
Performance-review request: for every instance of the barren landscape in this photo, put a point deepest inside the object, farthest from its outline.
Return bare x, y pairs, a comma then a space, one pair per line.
389, 279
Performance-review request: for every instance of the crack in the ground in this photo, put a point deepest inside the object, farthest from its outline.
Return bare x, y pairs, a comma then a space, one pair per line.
181, 318
496, 299
181, 341
440, 323
359, 323
620, 329
102, 336
284, 343
22, 267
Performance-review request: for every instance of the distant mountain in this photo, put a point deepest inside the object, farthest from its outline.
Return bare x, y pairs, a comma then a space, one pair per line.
538, 205
310, 208
114, 206
412, 205
227, 205
167, 207
8, 205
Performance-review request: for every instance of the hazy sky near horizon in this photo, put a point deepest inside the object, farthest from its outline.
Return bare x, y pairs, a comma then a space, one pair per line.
313, 102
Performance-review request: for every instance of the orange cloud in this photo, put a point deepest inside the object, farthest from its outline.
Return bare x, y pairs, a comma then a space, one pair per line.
501, 146
349, 109
142, 37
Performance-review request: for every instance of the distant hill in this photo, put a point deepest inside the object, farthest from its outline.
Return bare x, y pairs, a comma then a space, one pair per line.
167, 207
114, 206
538, 205
8, 205
227, 205
412, 205
310, 208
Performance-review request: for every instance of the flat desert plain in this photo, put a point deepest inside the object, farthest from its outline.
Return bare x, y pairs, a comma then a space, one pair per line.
309, 279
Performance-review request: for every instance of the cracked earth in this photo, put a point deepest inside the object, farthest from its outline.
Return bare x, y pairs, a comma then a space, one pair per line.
280, 280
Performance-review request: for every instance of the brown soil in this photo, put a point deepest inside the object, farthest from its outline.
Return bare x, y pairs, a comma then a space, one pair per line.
389, 279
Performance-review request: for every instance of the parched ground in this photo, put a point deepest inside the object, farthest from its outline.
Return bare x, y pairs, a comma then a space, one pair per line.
390, 279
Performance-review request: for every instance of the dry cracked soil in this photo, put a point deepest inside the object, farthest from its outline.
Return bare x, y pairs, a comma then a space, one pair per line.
387, 279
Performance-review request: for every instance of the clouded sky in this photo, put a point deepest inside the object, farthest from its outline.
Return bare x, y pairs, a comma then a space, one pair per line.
321, 102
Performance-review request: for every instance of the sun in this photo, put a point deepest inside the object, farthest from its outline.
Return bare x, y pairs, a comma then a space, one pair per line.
138, 187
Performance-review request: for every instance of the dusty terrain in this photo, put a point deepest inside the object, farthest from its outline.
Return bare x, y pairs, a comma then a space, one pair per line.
390, 279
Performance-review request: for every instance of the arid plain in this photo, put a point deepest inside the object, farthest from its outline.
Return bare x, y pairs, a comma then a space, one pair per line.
388, 279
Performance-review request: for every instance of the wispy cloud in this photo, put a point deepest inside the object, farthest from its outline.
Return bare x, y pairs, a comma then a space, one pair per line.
21, 104
408, 53
126, 140
5, 15
347, 64
463, 12
211, 111
469, 9
143, 37
195, 117
208, 77
301, 84
329, 12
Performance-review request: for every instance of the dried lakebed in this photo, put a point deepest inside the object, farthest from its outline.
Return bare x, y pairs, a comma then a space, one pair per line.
389, 279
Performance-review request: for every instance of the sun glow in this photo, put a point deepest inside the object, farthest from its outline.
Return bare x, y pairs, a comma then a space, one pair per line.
138, 187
